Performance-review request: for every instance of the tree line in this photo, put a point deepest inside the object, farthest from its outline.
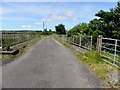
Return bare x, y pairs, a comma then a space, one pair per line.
107, 25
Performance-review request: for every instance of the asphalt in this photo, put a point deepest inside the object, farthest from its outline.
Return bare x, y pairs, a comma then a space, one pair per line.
48, 64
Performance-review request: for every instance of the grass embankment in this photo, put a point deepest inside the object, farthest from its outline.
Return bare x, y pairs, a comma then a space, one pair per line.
96, 65
28, 46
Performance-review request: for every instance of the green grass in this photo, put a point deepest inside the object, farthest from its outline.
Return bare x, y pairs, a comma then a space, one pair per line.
95, 64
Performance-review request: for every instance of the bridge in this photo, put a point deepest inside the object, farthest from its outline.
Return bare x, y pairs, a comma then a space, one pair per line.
48, 64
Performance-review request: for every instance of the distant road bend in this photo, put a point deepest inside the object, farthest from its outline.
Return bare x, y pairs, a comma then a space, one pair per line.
48, 64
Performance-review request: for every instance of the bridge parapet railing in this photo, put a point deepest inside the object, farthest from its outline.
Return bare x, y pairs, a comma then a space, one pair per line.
79, 40
11, 39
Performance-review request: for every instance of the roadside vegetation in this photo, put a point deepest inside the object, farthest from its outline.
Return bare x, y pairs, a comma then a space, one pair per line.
97, 66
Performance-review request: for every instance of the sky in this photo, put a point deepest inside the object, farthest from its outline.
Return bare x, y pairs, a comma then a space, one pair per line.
31, 15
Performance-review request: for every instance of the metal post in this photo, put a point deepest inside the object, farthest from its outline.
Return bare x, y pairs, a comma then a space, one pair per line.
77, 39
115, 51
1, 40
73, 38
64, 38
91, 43
13, 38
28, 36
22, 37
80, 40
69, 40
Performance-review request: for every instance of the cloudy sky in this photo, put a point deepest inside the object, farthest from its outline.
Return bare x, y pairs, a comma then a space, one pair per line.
30, 15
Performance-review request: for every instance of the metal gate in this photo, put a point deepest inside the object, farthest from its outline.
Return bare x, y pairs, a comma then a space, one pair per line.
110, 51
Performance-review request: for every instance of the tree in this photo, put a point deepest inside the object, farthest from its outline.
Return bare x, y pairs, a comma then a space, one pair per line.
80, 29
45, 30
60, 29
108, 24
110, 21
50, 30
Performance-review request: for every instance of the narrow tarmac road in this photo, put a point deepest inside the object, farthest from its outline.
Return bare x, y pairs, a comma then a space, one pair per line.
47, 64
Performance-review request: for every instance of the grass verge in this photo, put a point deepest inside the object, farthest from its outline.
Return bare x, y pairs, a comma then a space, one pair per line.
97, 66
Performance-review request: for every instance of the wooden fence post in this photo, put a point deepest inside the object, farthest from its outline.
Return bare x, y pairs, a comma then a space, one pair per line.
99, 39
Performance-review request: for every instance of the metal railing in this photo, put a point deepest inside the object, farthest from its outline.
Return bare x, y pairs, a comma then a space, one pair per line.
82, 41
110, 51
109, 48
0, 40
10, 39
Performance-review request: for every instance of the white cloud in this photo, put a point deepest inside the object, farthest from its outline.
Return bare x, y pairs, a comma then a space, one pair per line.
55, 17
39, 23
26, 26
49, 19
75, 20
69, 13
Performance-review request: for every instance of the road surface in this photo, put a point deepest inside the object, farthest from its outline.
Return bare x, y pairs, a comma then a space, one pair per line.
48, 64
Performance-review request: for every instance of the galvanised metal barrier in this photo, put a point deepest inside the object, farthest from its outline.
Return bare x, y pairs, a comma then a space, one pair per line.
0, 40
108, 48
11, 39
110, 51
81, 41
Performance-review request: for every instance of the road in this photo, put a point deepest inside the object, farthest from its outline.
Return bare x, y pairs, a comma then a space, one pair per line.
48, 64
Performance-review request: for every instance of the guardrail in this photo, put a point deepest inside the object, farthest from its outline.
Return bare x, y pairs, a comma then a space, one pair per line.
107, 48
81, 41
11, 39
0, 40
